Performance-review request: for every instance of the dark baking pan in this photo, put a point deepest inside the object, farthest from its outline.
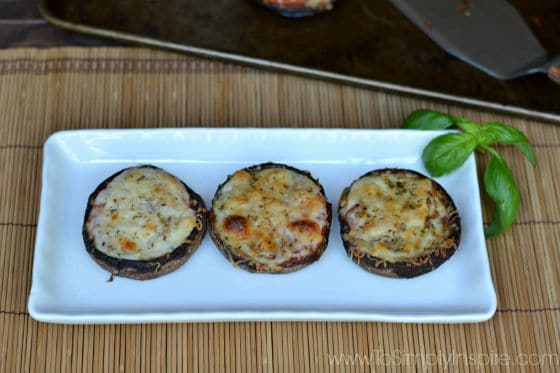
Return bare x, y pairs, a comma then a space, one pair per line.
365, 42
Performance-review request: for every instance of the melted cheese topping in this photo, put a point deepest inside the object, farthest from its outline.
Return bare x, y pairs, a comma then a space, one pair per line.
273, 217
142, 214
319, 4
396, 216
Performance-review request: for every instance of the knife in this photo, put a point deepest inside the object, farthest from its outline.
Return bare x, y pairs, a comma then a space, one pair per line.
489, 34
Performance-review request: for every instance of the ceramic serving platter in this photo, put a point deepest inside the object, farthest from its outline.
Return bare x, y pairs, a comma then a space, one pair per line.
69, 287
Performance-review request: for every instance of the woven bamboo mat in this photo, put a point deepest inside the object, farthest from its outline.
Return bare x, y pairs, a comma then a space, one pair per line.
42, 91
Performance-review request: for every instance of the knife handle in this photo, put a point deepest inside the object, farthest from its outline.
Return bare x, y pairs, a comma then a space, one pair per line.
554, 73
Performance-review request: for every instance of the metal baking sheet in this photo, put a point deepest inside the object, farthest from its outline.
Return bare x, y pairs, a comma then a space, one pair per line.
362, 42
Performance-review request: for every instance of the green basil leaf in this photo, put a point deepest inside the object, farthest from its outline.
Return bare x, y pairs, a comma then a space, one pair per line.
468, 126
497, 132
502, 189
448, 152
428, 120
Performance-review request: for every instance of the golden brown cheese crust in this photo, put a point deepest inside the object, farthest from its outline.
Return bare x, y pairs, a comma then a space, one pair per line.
143, 222
398, 223
270, 218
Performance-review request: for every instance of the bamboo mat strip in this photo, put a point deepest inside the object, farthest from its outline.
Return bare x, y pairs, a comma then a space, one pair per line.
43, 91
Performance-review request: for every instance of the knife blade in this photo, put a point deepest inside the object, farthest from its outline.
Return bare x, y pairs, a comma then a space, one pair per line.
488, 34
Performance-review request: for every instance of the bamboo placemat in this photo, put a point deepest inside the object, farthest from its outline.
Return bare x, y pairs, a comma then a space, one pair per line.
42, 91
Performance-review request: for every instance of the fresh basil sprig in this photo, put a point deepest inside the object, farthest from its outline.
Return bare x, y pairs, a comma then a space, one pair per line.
449, 151
428, 120
500, 185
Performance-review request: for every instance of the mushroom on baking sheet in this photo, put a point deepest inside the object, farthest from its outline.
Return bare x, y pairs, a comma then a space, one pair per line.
298, 8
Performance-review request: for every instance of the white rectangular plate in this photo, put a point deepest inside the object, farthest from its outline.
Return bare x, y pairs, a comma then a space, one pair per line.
69, 287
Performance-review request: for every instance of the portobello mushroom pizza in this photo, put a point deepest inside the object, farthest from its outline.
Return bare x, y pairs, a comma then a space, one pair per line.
398, 223
142, 222
270, 218
298, 8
